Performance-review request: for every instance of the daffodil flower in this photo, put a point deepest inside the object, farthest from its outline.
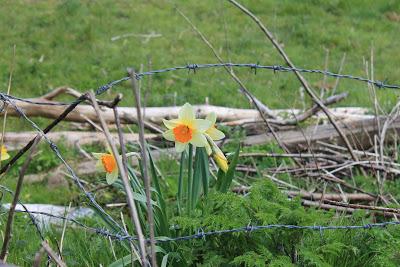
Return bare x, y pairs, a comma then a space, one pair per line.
4, 154
217, 154
186, 129
213, 132
107, 163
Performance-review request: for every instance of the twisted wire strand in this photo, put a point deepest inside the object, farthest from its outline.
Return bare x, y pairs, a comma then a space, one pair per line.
200, 233
56, 151
194, 67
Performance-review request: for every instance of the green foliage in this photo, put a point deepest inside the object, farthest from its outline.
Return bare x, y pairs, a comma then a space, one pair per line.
224, 180
281, 247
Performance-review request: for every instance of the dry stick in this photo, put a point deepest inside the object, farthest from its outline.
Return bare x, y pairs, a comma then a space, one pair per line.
125, 180
133, 249
242, 87
391, 117
54, 123
4, 103
299, 76
311, 111
293, 155
323, 89
146, 177
360, 206
339, 72
64, 229
124, 163
38, 257
53, 255
10, 219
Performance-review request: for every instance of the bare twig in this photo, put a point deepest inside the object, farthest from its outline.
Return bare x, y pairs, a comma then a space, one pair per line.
125, 165
53, 255
146, 177
311, 111
125, 181
263, 111
339, 72
64, 229
10, 219
4, 103
309, 91
38, 257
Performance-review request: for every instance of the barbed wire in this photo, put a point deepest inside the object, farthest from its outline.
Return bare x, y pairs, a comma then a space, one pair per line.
200, 233
56, 151
194, 67
121, 234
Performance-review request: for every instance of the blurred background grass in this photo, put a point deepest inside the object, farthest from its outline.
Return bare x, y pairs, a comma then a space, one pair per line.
69, 43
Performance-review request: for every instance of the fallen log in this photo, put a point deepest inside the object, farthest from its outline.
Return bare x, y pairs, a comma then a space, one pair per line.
128, 115
16, 140
361, 132
330, 196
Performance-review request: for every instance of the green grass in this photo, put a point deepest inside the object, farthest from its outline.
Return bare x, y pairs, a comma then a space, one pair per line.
69, 43
73, 40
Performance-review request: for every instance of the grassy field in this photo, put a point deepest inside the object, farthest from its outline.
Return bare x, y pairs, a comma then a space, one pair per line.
69, 43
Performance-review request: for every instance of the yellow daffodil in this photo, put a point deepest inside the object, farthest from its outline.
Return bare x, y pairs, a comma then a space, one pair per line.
186, 129
213, 132
4, 154
217, 154
107, 163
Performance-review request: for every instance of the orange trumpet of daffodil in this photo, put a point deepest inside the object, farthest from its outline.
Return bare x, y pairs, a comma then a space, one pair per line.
107, 163
186, 129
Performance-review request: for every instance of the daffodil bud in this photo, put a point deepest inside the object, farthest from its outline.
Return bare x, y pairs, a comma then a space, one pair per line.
217, 154
221, 161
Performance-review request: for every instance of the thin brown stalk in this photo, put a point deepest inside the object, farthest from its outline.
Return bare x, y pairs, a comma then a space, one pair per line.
257, 104
125, 165
339, 72
53, 255
125, 180
360, 206
38, 257
304, 83
10, 218
5, 109
146, 176
64, 229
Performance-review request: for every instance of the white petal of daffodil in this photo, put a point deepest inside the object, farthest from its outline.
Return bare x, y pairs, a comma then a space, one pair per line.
198, 139
112, 176
186, 113
212, 131
201, 125
4, 154
180, 147
169, 135
186, 129
170, 124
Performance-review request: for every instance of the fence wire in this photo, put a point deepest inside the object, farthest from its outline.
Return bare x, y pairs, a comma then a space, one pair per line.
193, 67
118, 232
